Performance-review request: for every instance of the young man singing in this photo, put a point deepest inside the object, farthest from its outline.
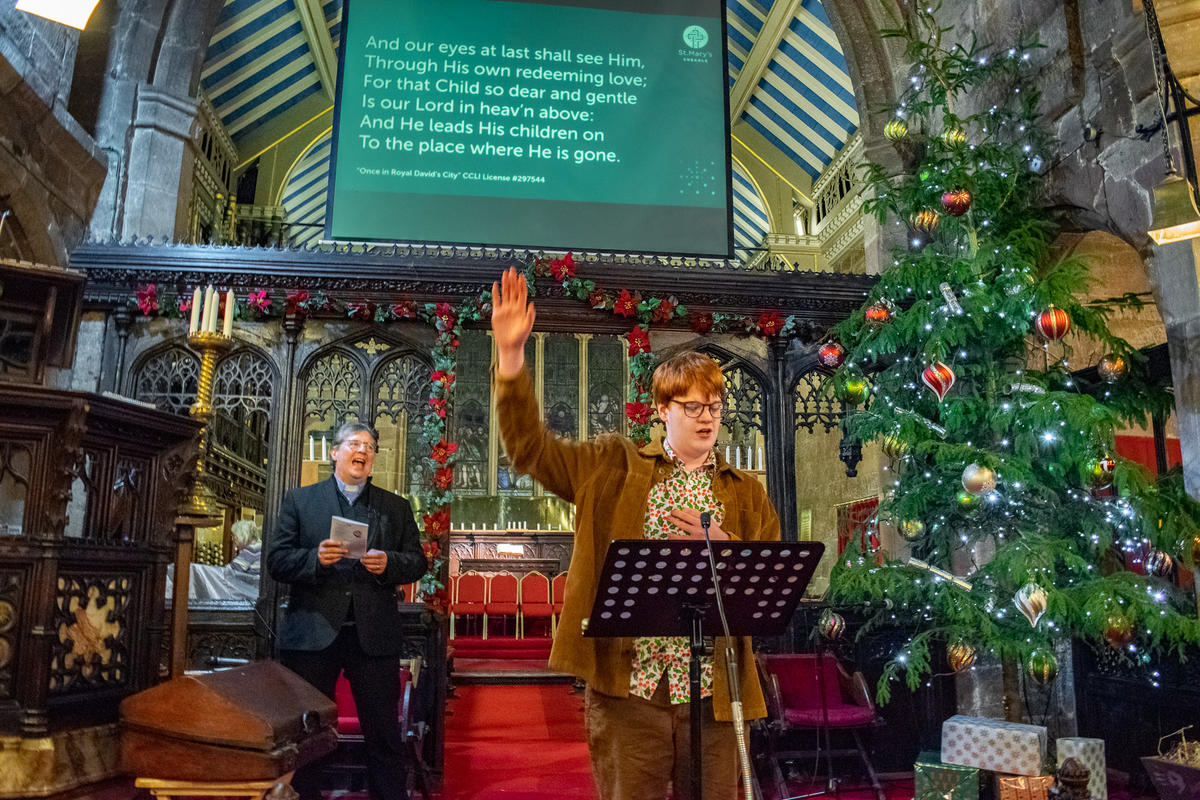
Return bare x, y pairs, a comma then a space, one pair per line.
637, 689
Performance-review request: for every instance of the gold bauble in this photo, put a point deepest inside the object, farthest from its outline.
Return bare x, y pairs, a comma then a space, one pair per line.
925, 220
978, 479
1112, 368
1118, 631
893, 446
960, 655
954, 137
895, 130
911, 529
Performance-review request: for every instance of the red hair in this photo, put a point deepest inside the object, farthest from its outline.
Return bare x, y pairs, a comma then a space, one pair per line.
683, 372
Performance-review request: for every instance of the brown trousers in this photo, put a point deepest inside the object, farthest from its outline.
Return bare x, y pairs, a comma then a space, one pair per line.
640, 749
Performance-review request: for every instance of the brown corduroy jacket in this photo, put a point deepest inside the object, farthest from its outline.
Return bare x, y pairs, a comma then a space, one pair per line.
609, 481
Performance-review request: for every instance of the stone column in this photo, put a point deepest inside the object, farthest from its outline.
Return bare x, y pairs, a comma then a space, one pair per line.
1174, 267
159, 170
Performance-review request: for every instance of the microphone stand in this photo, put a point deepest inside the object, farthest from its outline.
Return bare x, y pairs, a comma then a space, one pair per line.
731, 670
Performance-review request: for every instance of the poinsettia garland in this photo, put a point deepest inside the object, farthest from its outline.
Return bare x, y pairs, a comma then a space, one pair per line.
437, 492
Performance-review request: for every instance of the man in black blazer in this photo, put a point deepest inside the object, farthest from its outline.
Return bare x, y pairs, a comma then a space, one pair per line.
342, 612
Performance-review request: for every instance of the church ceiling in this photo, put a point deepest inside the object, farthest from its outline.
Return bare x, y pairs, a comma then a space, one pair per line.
271, 68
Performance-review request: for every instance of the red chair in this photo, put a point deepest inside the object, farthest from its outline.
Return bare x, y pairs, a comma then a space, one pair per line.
469, 599
807, 691
411, 590
503, 599
412, 731
558, 593
535, 601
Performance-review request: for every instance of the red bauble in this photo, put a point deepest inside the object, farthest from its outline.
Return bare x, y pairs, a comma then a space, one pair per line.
939, 378
1118, 632
1052, 324
878, 314
831, 355
956, 202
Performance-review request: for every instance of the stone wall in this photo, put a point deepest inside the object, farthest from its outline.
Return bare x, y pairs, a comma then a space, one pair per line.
50, 169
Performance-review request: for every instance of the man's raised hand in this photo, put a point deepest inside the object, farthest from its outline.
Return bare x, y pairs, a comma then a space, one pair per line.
512, 321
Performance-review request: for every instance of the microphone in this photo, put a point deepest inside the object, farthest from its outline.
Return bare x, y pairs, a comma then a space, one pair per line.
731, 671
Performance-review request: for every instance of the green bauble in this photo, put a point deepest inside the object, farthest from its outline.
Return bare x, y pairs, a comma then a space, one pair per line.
1042, 666
911, 529
968, 501
854, 390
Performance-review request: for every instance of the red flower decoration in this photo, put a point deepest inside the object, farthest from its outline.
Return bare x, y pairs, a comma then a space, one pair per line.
443, 477
627, 304
446, 317
638, 413
597, 299
297, 301
563, 268
639, 341
665, 310
405, 309
185, 305
438, 522
441, 376
770, 323
702, 321
147, 299
259, 301
438, 404
442, 451
432, 548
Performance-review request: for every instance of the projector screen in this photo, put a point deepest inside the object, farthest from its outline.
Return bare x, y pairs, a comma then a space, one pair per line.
597, 125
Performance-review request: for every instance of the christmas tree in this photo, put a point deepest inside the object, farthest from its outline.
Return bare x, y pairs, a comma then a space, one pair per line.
1025, 528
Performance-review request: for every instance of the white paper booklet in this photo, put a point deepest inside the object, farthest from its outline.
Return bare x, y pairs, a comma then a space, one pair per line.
351, 533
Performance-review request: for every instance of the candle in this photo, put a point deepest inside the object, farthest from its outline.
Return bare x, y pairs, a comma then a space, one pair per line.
737, 457
310, 448
726, 454
213, 311
228, 331
324, 455
194, 325
208, 301
760, 459
750, 458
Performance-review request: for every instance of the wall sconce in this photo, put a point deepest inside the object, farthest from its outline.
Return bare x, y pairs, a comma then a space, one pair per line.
67, 12
1176, 217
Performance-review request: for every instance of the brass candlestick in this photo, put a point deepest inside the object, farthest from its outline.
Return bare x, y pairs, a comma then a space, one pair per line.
200, 503
200, 509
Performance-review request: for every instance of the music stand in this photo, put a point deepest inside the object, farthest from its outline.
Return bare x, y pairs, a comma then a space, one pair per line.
665, 588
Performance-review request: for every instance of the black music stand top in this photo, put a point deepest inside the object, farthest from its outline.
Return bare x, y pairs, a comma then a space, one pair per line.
651, 587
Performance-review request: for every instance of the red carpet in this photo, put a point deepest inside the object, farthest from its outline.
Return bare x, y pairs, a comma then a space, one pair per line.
495, 647
516, 743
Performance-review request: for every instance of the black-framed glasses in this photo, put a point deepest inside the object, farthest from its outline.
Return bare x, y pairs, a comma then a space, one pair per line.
692, 409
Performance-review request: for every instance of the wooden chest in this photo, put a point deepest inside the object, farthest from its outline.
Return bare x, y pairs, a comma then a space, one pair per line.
255, 722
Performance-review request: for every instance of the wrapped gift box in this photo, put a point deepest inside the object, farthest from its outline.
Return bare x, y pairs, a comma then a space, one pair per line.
1090, 753
1023, 787
994, 744
933, 780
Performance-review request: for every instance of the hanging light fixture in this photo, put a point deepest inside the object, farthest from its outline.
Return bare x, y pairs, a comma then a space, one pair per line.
68, 12
1176, 217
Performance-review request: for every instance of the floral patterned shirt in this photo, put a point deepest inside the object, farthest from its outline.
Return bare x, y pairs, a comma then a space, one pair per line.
653, 655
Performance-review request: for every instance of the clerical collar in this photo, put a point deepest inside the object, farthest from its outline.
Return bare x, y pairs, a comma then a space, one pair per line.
350, 491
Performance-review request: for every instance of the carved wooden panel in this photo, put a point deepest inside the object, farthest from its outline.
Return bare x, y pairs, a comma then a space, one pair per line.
168, 379
91, 619
10, 604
